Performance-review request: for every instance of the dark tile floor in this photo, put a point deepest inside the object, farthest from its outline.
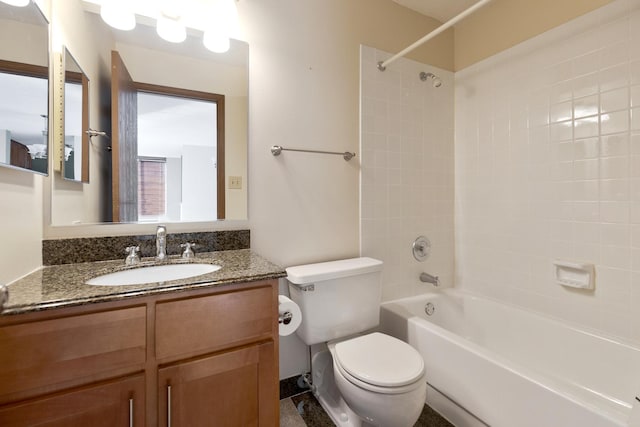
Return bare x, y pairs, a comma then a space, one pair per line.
304, 410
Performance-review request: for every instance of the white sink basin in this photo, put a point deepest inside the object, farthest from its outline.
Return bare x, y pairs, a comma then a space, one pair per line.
153, 274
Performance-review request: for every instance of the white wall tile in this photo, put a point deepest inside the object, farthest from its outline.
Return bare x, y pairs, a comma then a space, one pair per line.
407, 172
571, 188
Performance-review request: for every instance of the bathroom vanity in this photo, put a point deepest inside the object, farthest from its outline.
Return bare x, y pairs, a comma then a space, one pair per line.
168, 354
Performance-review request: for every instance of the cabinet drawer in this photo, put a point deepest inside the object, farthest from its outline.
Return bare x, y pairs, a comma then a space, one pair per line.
52, 354
194, 326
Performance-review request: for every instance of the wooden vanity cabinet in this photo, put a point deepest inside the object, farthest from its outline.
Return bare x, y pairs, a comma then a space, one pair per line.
116, 403
204, 357
224, 390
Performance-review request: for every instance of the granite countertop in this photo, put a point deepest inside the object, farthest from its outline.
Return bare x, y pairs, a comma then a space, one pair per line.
64, 285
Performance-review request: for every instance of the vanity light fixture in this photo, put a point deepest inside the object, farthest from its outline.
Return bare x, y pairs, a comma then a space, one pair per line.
18, 3
116, 14
217, 19
170, 29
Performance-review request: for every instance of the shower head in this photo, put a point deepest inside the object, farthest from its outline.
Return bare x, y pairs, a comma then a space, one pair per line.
436, 82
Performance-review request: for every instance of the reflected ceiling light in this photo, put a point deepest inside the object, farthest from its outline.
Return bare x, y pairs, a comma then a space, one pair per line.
216, 41
169, 28
116, 15
19, 3
224, 20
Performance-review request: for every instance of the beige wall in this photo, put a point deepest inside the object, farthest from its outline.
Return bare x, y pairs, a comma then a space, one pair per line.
21, 225
21, 215
235, 155
504, 23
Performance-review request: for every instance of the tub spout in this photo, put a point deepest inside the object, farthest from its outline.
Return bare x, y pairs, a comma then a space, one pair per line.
427, 278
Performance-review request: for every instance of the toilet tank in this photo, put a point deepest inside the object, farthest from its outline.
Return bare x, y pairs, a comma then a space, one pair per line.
336, 298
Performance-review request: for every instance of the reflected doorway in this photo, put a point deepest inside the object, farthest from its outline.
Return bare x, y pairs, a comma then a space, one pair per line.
177, 158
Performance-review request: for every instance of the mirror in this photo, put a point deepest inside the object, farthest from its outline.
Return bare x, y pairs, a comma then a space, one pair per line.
152, 62
24, 85
75, 165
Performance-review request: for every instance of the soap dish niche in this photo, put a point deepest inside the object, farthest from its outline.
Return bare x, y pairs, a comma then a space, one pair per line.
575, 274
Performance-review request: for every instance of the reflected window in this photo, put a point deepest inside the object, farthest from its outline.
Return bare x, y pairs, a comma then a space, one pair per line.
152, 189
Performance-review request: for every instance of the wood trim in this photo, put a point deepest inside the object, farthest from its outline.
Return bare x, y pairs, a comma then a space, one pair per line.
124, 123
24, 69
219, 100
73, 77
221, 178
115, 137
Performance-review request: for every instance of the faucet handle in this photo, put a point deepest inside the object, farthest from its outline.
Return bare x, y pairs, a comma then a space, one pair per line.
132, 255
188, 252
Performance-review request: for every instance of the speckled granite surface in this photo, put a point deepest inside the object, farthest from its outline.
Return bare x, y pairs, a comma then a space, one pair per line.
64, 285
89, 249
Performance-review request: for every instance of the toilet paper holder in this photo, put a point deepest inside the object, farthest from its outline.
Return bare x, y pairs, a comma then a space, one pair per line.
285, 318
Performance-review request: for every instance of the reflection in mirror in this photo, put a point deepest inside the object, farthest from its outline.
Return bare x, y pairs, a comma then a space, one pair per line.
75, 166
24, 88
177, 152
153, 61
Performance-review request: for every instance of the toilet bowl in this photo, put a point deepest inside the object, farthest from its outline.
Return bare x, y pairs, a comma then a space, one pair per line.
381, 378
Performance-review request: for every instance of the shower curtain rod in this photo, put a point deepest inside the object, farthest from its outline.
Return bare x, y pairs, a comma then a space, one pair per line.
382, 65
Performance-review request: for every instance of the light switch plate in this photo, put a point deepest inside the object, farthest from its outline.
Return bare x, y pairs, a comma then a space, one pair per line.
235, 182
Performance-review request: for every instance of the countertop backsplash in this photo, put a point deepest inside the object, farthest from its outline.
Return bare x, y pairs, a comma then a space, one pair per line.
90, 249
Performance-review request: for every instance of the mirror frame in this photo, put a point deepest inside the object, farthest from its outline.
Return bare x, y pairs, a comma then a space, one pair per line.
36, 71
82, 79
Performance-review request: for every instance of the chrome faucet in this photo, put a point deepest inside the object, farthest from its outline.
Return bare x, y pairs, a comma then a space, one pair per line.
161, 243
427, 278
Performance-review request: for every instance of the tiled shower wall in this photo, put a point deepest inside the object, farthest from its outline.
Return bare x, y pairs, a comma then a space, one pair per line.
547, 161
406, 170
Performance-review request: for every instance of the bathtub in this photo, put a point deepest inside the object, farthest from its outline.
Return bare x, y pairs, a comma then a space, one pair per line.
495, 364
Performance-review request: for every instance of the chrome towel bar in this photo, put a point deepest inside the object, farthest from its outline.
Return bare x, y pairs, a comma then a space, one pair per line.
276, 150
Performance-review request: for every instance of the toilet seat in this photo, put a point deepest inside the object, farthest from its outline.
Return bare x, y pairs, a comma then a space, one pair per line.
379, 363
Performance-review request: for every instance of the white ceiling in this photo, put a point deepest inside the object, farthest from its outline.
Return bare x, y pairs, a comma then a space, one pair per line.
442, 10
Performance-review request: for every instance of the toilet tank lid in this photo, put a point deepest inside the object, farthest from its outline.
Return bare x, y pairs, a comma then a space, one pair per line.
311, 273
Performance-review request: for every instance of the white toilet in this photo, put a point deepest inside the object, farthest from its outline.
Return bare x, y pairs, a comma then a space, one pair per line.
359, 378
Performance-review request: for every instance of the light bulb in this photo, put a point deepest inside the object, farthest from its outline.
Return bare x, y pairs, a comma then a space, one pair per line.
18, 3
171, 29
216, 41
117, 16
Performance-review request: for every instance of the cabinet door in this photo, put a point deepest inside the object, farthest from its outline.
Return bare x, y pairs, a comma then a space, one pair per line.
236, 388
112, 404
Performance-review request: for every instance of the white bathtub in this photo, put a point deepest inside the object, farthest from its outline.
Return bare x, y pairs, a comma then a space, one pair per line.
509, 367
